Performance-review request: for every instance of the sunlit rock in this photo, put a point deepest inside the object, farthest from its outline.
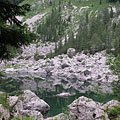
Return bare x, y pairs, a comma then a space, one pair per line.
28, 105
64, 95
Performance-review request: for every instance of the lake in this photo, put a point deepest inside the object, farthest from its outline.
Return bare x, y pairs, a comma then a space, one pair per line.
59, 104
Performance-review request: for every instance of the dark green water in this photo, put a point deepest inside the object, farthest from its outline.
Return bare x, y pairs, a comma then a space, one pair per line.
58, 104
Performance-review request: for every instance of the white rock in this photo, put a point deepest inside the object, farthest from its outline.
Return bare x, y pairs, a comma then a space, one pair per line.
64, 95
27, 105
71, 52
32, 102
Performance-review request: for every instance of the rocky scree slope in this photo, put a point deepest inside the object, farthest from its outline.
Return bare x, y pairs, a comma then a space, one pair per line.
81, 72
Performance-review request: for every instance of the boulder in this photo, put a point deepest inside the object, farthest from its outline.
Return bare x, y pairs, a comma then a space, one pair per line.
72, 78
87, 72
71, 52
83, 109
27, 105
49, 70
86, 109
64, 65
33, 102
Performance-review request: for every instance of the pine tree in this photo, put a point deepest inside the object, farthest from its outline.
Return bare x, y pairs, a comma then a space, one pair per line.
106, 16
111, 12
14, 34
117, 8
87, 19
100, 2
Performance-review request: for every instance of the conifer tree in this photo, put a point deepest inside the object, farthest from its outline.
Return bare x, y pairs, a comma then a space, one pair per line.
100, 2
87, 19
106, 16
111, 12
14, 34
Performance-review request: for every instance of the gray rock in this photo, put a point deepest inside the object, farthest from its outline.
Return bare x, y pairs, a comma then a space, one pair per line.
64, 65
83, 109
37, 115
38, 3
87, 72
27, 105
79, 59
99, 76
4, 113
32, 102
49, 70
86, 109
71, 52
72, 78
64, 81
66, 71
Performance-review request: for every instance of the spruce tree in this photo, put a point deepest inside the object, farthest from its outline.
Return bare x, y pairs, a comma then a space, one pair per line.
13, 34
111, 12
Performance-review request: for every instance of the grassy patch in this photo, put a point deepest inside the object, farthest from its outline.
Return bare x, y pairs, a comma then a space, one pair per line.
114, 112
4, 100
37, 57
14, 66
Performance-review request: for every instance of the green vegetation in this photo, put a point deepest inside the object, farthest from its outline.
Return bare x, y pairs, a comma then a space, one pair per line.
14, 66
26, 118
53, 28
114, 62
9, 85
4, 100
65, 110
16, 1
15, 34
31, 2
113, 113
94, 34
37, 57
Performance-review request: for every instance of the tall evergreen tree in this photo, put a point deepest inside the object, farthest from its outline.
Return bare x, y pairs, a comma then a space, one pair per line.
12, 33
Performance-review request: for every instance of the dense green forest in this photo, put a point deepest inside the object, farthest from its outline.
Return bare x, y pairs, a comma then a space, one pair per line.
95, 33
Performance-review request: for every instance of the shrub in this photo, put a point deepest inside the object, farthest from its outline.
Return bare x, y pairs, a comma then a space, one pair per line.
113, 112
37, 57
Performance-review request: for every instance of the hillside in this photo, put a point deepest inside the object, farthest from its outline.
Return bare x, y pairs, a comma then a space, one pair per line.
57, 21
